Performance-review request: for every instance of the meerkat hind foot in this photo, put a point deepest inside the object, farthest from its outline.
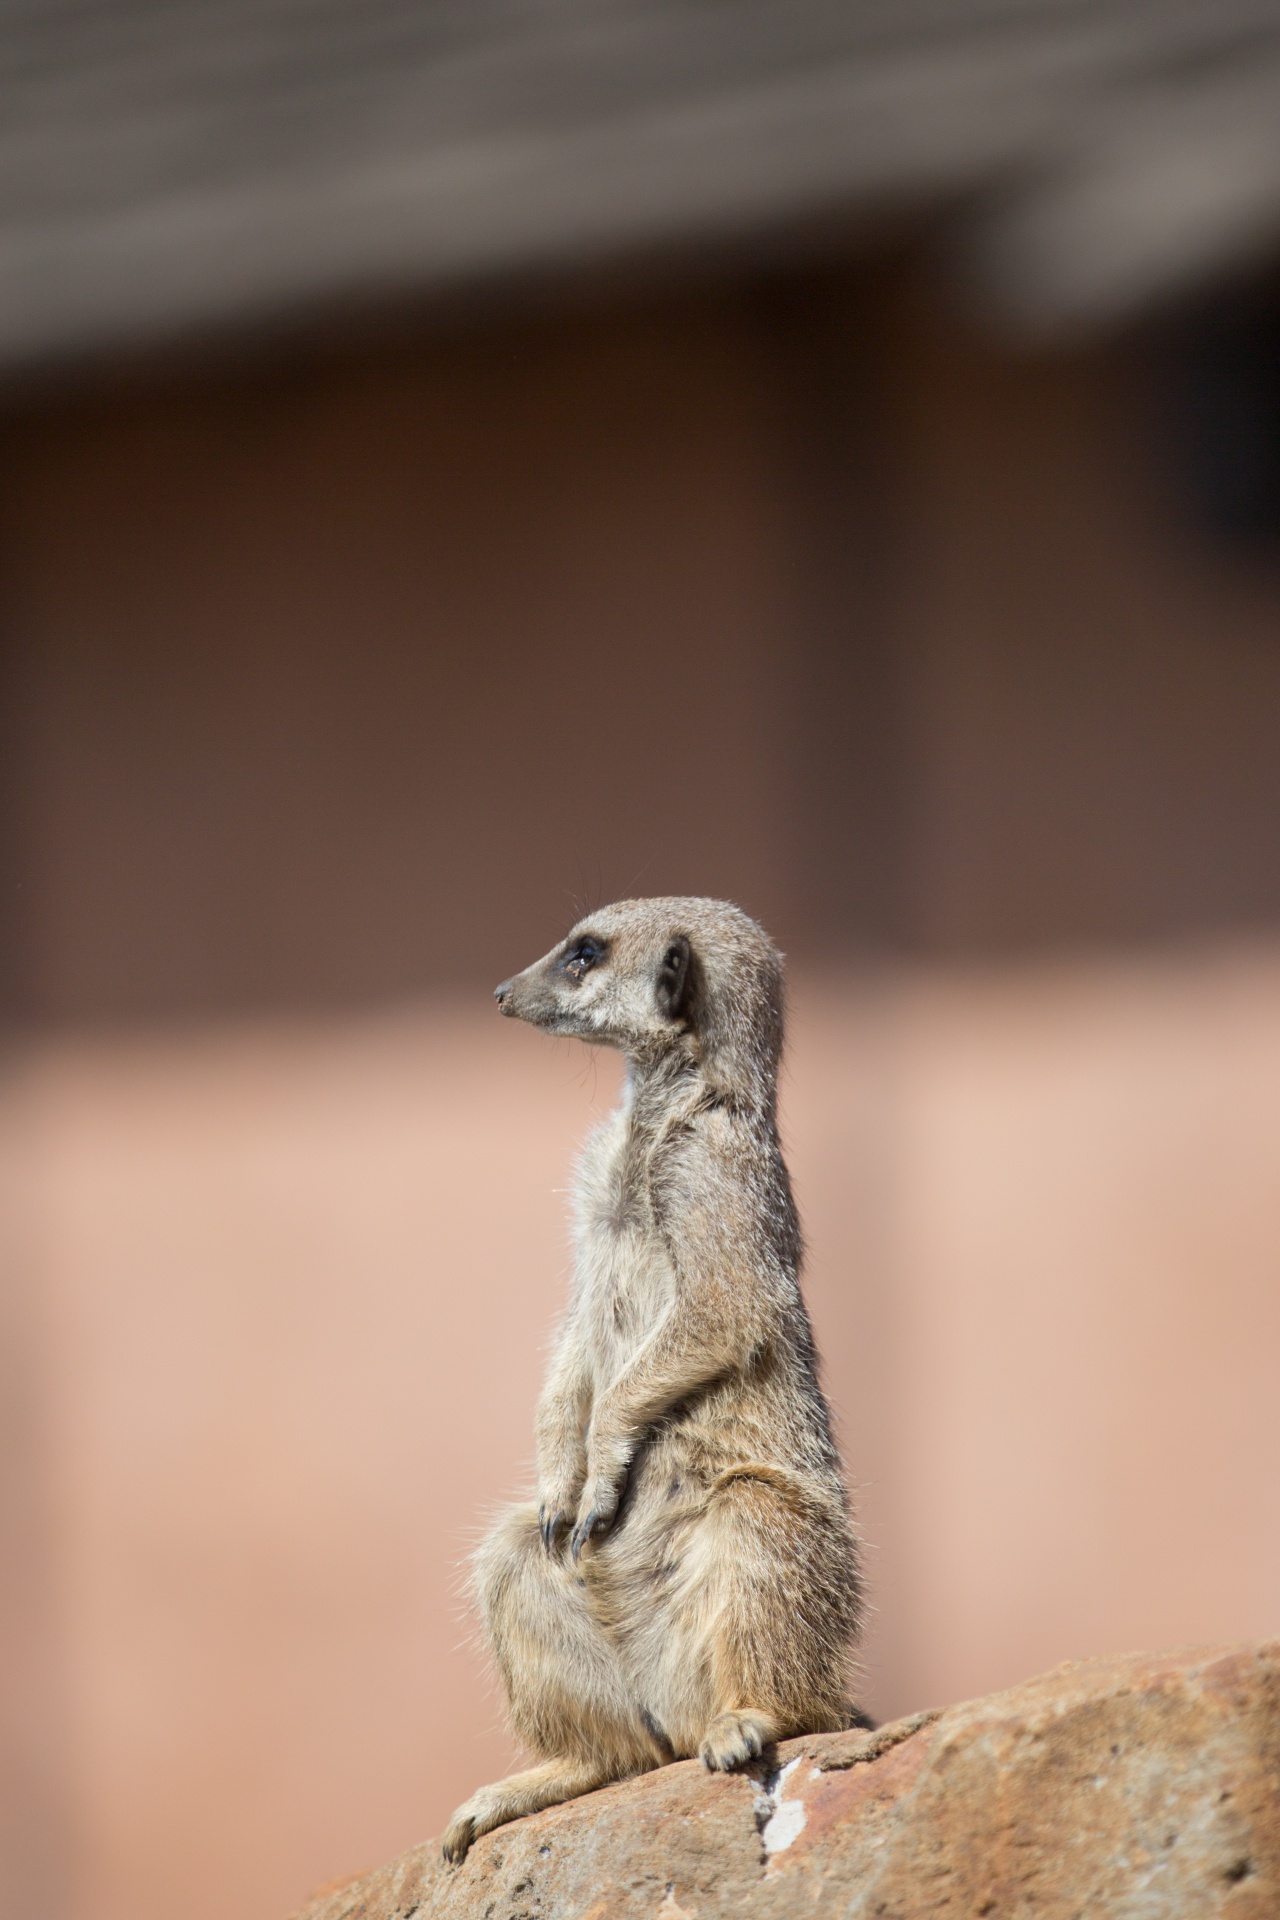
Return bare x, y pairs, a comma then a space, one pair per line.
458, 1835
519, 1794
733, 1739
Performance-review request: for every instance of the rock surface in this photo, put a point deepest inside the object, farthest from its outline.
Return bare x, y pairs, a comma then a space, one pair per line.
1144, 1787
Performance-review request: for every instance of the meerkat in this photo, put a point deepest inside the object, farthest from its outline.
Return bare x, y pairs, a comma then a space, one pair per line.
686, 1581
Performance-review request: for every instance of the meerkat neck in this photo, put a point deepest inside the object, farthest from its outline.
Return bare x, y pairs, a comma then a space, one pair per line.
657, 1081
674, 1078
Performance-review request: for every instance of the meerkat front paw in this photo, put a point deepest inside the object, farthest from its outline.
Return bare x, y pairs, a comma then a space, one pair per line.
559, 1496
734, 1739
552, 1521
597, 1511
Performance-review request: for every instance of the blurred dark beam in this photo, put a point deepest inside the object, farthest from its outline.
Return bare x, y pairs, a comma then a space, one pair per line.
171, 171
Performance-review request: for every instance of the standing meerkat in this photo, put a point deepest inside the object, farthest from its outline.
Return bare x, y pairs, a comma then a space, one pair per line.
687, 1581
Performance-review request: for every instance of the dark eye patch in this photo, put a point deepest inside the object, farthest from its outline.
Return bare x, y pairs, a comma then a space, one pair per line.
582, 956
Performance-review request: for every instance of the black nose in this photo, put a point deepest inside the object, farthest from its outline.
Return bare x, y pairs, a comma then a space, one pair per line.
500, 993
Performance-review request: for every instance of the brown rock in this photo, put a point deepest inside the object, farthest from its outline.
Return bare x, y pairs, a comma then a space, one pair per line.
1143, 1787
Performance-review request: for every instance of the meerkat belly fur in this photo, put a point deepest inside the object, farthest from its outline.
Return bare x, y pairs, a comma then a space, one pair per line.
686, 1581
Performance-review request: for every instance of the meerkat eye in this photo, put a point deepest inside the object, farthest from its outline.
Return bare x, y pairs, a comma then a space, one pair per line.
581, 958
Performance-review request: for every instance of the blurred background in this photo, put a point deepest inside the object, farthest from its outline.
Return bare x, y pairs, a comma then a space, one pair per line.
464, 461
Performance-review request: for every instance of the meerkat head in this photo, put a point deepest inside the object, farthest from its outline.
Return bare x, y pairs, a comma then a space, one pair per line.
690, 978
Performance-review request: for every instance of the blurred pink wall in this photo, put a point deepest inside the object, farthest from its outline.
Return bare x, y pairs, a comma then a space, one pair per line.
331, 686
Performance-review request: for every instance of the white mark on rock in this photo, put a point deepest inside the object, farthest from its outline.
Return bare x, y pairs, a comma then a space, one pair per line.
783, 1820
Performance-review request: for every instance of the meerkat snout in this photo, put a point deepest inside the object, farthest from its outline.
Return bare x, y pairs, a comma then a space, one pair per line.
550, 994
622, 978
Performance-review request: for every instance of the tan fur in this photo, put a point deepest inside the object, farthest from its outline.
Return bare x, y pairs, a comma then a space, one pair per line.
687, 1581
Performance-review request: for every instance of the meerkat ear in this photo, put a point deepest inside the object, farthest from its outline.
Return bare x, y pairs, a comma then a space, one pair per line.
675, 978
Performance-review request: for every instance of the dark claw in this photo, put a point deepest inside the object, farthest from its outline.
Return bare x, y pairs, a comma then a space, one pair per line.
551, 1526
457, 1844
583, 1531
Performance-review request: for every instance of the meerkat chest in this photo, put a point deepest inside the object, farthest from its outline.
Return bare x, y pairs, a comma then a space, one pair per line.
625, 1277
